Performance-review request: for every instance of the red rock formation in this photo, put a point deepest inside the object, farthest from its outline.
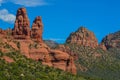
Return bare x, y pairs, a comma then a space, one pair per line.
8, 59
37, 29
2, 32
66, 49
63, 61
31, 45
22, 25
83, 37
102, 46
24, 48
71, 66
112, 40
41, 52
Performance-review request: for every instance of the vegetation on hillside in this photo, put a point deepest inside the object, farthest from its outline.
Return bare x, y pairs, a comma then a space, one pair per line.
97, 63
28, 69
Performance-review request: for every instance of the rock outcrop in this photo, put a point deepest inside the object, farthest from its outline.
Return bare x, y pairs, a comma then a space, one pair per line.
22, 25
63, 61
67, 49
2, 32
8, 59
112, 40
37, 29
55, 58
102, 46
83, 37
29, 42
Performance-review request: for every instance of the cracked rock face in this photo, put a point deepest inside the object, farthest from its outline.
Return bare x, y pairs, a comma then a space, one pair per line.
83, 37
22, 25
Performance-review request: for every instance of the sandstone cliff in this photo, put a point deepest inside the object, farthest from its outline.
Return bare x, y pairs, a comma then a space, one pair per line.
29, 42
22, 25
83, 37
37, 29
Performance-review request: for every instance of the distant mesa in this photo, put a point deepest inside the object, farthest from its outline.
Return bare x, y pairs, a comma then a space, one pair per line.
51, 44
83, 37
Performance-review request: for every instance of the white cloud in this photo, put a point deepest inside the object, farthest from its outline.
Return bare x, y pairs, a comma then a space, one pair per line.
28, 3
6, 16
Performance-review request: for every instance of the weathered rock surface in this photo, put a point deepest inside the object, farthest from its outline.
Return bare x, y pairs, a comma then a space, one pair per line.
22, 25
2, 32
112, 40
83, 37
56, 58
66, 49
30, 43
102, 46
8, 59
37, 29
24, 48
40, 52
63, 61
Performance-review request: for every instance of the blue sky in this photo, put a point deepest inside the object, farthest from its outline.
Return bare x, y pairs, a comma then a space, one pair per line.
61, 17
